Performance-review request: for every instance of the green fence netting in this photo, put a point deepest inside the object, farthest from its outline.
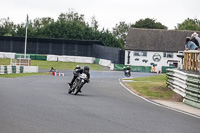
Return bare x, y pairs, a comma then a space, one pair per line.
119, 67
32, 56
96, 61
166, 67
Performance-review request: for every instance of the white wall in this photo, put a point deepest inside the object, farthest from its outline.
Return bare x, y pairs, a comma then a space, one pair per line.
149, 57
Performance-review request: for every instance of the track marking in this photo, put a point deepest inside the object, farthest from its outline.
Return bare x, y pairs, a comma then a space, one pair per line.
158, 103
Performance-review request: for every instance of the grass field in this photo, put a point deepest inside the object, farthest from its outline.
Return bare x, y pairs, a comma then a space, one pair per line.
15, 75
57, 65
48, 65
155, 88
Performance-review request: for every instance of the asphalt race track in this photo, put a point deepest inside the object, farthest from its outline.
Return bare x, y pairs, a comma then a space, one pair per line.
41, 104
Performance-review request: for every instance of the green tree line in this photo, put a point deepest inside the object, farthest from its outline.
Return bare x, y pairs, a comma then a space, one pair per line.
72, 25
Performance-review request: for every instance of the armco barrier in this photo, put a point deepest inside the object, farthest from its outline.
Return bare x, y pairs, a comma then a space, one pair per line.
79, 59
7, 55
52, 57
104, 62
18, 69
187, 85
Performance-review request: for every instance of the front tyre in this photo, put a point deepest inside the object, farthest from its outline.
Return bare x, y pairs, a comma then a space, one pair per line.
78, 88
69, 91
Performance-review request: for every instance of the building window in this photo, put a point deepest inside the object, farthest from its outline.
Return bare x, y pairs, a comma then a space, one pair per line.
168, 55
140, 53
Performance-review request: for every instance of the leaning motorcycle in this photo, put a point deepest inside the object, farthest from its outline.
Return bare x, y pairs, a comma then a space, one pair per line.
127, 73
78, 84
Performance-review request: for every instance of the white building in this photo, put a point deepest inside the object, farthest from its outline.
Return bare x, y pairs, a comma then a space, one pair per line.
148, 47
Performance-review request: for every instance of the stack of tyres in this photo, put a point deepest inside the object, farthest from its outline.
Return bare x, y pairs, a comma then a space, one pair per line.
5, 70
21, 69
1, 70
13, 69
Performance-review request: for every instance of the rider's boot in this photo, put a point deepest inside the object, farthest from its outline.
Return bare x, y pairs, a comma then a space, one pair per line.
70, 85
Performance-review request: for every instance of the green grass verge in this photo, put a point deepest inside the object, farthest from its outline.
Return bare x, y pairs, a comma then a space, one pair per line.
15, 75
57, 65
4, 61
64, 65
156, 89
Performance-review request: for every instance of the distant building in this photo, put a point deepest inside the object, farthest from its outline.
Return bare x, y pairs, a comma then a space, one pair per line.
148, 47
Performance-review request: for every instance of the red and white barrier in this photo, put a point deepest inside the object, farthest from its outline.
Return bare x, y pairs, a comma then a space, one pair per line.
58, 74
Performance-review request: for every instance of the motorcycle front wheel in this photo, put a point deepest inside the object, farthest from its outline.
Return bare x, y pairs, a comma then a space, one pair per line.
73, 88
69, 91
77, 89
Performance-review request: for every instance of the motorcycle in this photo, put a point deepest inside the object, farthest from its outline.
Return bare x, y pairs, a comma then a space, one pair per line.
127, 73
78, 84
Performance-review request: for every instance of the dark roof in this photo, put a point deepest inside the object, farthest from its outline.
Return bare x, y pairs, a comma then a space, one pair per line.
156, 40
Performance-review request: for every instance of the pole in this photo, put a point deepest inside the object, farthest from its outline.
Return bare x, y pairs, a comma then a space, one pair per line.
25, 44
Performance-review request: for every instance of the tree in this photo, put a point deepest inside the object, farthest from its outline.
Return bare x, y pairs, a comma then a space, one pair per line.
120, 31
70, 25
71, 16
109, 39
7, 27
148, 23
189, 24
94, 24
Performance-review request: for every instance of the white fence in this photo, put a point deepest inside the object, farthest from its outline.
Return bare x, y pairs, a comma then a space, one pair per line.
80, 59
7, 55
18, 69
77, 59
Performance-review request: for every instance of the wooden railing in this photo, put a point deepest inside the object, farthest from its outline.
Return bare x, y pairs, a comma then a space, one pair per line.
192, 60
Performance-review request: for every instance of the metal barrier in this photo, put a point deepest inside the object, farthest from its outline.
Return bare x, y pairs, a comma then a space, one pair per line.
187, 85
95, 49
192, 60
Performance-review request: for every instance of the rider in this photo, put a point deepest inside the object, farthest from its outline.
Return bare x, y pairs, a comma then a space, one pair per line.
78, 71
52, 70
124, 68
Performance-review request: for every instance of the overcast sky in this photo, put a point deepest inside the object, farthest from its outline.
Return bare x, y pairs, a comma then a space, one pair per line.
107, 12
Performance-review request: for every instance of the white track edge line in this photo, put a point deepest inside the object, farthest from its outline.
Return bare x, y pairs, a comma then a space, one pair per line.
157, 103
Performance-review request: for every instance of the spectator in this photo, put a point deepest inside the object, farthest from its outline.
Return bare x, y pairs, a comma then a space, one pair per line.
190, 45
195, 39
153, 69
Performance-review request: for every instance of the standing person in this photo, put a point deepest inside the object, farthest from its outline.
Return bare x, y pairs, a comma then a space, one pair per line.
190, 45
195, 39
153, 69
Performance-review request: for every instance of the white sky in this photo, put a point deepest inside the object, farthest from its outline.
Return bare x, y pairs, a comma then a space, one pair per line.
108, 13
